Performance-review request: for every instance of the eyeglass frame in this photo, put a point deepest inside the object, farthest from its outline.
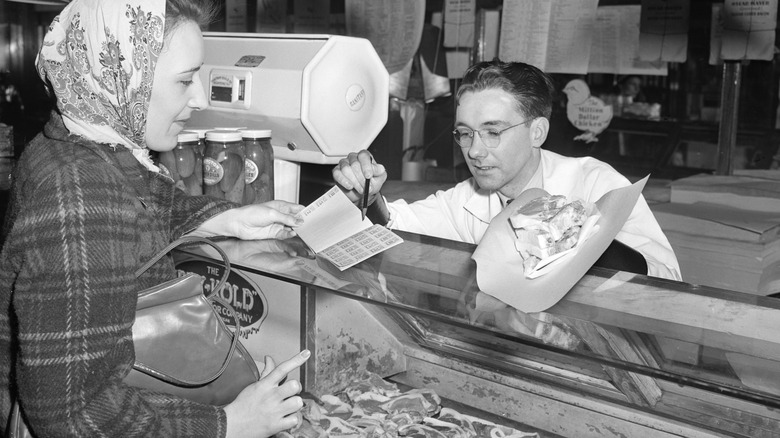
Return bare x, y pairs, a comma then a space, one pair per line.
479, 132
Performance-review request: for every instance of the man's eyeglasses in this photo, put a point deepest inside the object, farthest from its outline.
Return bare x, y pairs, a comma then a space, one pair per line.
491, 137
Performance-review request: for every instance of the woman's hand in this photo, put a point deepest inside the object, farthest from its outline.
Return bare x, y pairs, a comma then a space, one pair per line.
351, 174
269, 220
267, 406
273, 255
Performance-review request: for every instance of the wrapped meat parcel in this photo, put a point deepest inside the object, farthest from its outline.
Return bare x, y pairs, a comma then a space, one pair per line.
548, 225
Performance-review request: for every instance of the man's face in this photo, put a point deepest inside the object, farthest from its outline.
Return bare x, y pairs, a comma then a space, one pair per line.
508, 167
632, 86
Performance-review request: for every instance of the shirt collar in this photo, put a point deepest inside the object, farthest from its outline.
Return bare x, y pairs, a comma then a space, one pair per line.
537, 179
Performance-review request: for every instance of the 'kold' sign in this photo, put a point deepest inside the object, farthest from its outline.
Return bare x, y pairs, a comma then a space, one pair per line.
244, 296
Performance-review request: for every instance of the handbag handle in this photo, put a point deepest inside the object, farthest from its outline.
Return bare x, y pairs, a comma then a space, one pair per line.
212, 296
183, 241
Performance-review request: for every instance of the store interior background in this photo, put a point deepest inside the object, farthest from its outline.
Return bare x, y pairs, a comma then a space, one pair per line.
683, 141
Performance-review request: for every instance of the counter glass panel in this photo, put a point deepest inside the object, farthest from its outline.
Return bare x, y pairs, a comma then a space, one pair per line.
641, 341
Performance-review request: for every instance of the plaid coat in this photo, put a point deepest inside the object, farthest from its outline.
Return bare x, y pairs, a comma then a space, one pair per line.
83, 218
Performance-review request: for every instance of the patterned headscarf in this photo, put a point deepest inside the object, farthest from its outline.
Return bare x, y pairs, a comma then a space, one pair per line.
99, 56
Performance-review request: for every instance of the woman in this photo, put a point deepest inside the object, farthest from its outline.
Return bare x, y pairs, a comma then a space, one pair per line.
89, 207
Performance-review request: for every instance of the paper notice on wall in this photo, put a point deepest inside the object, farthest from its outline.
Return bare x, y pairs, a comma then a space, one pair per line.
663, 30
413, 115
525, 30
748, 29
553, 35
235, 16
459, 20
457, 63
433, 64
399, 81
616, 43
311, 16
394, 27
271, 16
487, 34
716, 34
571, 30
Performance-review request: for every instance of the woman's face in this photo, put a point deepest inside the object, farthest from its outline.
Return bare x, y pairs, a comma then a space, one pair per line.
177, 90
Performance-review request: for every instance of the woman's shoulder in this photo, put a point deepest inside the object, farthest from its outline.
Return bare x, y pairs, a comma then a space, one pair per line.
45, 159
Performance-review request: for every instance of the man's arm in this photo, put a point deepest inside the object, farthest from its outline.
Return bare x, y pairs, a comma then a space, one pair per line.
377, 212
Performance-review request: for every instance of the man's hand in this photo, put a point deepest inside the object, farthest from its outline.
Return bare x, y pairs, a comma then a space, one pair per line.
351, 174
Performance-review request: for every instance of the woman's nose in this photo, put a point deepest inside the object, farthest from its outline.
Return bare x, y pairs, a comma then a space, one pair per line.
198, 100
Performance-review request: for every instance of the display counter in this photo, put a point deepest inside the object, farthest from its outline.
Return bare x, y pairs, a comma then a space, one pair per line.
621, 355
667, 149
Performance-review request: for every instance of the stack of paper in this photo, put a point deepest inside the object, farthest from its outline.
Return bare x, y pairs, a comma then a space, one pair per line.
722, 245
748, 190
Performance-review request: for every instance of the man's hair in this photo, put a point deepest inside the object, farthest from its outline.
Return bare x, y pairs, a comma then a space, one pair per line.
532, 89
201, 12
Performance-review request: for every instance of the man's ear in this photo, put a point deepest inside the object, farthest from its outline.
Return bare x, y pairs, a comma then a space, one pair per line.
539, 129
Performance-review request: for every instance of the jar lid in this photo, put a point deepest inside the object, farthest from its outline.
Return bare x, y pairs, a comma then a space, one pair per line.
256, 133
201, 131
223, 135
187, 136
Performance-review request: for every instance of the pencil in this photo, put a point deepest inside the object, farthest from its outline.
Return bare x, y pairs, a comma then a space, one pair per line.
365, 197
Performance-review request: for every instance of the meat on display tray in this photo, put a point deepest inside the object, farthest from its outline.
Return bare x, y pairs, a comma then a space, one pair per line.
375, 407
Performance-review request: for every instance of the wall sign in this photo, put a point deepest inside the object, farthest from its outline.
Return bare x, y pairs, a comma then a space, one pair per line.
749, 29
587, 113
243, 295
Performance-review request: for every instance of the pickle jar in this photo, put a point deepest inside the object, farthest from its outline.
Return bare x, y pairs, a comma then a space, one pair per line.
223, 165
201, 138
259, 172
183, 163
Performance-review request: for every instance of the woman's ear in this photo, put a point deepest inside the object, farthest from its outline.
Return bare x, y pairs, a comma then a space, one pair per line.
539, 129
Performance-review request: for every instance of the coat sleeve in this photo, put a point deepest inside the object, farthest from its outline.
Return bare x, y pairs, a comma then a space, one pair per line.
74, 293
188, 212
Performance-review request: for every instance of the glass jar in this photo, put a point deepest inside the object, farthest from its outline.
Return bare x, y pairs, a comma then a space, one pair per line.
201, 137
223, 165
259, 173
184, 163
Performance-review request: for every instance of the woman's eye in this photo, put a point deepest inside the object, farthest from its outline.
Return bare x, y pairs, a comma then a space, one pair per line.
187, 82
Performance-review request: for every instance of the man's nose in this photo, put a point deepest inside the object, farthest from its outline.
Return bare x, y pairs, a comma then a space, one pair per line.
478, 147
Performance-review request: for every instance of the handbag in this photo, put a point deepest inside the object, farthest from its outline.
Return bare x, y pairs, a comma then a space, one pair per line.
182, 346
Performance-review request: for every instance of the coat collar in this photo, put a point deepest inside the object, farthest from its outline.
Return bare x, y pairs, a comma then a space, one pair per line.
142, 180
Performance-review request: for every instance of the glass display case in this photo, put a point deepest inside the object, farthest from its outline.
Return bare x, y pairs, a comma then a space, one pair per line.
674, 149
620, 355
